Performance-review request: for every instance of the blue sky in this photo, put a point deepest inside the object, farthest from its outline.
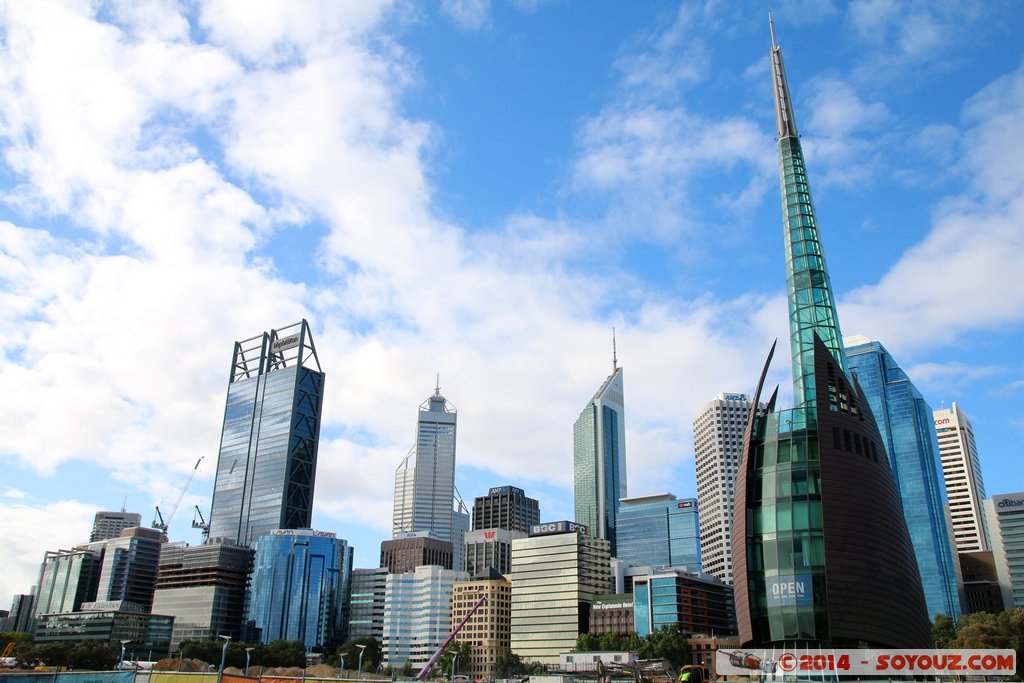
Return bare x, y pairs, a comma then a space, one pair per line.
480, 190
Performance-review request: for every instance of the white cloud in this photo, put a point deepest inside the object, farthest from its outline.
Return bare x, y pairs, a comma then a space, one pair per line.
470, 15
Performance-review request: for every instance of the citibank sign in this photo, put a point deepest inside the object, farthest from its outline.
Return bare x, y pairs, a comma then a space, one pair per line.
1009, 502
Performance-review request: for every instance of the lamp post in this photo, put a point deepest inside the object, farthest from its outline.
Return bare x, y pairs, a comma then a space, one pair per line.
248, 651
342, 657
223, 656
120, 665
451, 675
362, 649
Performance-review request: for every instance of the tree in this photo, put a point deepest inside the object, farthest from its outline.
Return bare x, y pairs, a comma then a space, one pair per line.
586, 643
462, 649
406, 670
508, 664
372, 656
668, 642
943, 631
94, 655
285, 653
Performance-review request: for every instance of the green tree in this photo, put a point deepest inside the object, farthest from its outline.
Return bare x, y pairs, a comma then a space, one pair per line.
204, 650
285, 653
94, 656
460, 648
943, 631
668, 642
406, 670
509, 664
19, 638
372, 656
586, 643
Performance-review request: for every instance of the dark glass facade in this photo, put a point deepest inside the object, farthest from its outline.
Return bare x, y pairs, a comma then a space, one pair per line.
906, 426
659, 531
267, 461
300, 586
697, 604
505, 507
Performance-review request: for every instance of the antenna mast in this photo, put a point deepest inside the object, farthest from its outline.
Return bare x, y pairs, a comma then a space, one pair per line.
615, 358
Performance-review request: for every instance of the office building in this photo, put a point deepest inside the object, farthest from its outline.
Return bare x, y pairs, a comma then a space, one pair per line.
821, 551
717, 441
67, 578
129, 567
557, 572
505, 507
409, 551
425, 480
300, 587
266, 467
982, 592
904, 422
366, 608
487, 631
599, 458
417, 614
108, 524
19, 618
697, 603
203, 588
144, 636
965, 486
460, 527
611, 613
659, 530
1006, 529
490, 549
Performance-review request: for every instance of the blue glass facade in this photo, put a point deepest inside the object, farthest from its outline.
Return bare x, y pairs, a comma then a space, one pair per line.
907, 428
300, 587
659, 531
267, 461
696, 604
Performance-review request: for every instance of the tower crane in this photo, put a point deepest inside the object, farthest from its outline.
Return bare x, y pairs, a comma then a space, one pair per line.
199, 523
159, 522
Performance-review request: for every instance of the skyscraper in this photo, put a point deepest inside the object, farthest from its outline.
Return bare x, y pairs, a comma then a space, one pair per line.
108, 524
505, 507
425, 488
965, 485
599, 458
1006, 530
717, 440
129, 567
659, 531
904, 421
821, 551
266, 468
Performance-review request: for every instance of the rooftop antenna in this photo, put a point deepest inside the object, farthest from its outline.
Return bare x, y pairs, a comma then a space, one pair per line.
771, 28
124, 505
615, 360
437, 388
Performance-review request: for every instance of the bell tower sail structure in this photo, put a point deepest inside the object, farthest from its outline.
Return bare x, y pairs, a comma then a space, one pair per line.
821, 552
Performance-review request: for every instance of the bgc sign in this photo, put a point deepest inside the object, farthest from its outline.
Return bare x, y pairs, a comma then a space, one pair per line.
558, 528
793, 589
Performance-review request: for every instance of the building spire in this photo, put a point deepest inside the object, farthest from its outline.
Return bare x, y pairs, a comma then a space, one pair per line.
785, 124
437, 387
615, 359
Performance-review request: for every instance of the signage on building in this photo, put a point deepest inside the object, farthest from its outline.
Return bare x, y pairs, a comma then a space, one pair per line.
1009, 501
284, 343
792, 589
561, 527
612, 605
489, 534
499, 490
685, 504
942, 421
735, 397
302, 532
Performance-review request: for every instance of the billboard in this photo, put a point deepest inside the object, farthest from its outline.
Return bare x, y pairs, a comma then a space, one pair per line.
864, 663
558, 528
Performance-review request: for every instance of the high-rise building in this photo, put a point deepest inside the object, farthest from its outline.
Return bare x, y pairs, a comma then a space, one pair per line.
696, 603
599, 458
660, 531
505, 507
490, 549
405, 553
20, 617
821, 551
1006, 529
203, 588
965, 486
300, 587
129, 567
109, 524
425, 480
487, 631
266, 467
67, 578
982, 592
366, 608
904, 422
717, 441
461, 521
557, 572
417, 614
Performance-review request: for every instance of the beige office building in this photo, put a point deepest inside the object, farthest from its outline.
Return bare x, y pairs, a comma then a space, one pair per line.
965, 487
487, 631
557, 573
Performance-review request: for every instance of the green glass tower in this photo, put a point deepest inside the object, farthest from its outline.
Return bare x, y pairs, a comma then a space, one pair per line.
821, 552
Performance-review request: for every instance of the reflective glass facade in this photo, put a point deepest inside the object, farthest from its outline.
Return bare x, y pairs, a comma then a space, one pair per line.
130, 566
599, 459
300, 587
697, 604
906, 425
67, 578
659, 531
148, 635
267, 461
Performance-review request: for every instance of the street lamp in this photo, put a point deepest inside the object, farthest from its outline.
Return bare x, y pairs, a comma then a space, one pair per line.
455, 658
248, 651
120, 666
362, 649
223, 656
342, 657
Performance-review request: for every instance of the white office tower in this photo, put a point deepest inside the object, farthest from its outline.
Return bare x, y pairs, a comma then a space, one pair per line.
417, 614
965, 487
425, 481
717, 443
108, 524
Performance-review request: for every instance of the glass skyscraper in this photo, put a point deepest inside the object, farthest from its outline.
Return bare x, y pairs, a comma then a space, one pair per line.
599, 458
821, 551
300, 586
425, 481
266, 467
659, 531
905, 422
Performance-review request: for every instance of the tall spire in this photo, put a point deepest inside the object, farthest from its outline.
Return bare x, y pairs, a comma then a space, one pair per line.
437, 387
615, 359
811, 302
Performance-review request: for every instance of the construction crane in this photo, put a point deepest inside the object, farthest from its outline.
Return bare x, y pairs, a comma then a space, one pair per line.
159, 522
201, 523
430, 663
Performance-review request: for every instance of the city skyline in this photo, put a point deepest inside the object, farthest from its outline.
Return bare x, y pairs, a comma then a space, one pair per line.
442, 190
